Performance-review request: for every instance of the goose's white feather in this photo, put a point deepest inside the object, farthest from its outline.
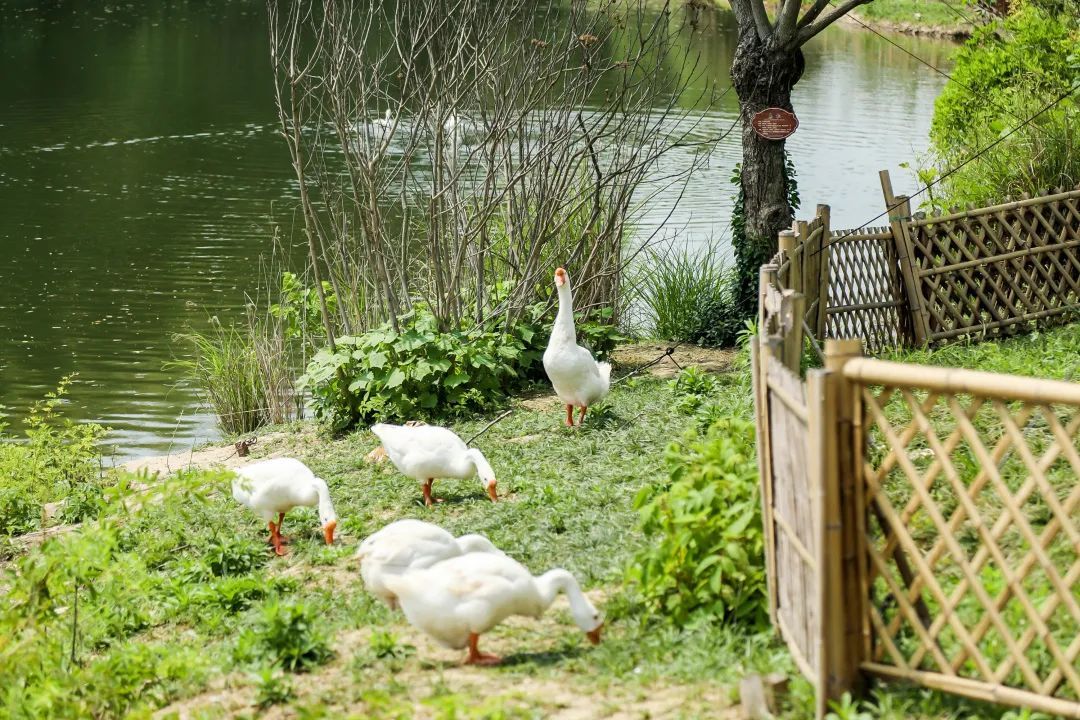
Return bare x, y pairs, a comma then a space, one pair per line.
428, 452
410, 545
269, 487
578, 379
473, 593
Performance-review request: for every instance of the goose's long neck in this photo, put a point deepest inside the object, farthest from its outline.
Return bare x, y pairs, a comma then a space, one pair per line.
555, 581
563, 329
326, 507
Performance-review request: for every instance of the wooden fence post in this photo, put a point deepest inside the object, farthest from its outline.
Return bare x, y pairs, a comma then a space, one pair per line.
805, 269
822, 279
842, 528
786, 243
761, 351
899, 209
760, 383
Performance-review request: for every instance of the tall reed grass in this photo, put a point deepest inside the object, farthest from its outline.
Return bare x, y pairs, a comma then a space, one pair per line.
677, 287
243, 373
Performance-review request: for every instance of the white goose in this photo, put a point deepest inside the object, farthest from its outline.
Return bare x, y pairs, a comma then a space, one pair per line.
579, 380
428, 452
410, 545
457, 600
274, 487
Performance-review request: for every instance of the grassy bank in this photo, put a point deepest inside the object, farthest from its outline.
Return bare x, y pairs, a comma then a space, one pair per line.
943, 18
171, 603
189, 612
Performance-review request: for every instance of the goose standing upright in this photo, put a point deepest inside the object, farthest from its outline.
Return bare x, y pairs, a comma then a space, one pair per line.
579, 380
457, 600
410, 545
274, 487
428, 452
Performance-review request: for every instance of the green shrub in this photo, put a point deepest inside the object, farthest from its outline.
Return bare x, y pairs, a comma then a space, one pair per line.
289, 634
1006, 72
692, 387
299, 310
705, 549
58, 459
271, 688
232, 555
419, 371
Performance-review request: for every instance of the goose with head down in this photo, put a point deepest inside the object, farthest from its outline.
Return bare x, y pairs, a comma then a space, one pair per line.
273, 487
457, 600
428, 452
579, 380
407, 545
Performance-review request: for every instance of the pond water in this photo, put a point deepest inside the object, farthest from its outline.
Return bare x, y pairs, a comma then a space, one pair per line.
139, 172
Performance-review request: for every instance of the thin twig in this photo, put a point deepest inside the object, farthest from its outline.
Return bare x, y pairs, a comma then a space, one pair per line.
488, 426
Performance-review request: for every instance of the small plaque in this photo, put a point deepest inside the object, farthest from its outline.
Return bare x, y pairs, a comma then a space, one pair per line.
774, 123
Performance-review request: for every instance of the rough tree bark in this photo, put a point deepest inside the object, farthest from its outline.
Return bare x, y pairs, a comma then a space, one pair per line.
768, 63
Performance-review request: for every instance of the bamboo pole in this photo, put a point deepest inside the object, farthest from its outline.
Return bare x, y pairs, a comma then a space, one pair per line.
793, 335
786, 244
846, 575
821, 470
761, 421
824, 252
977, 690
952, 381
899, 209
1005, 207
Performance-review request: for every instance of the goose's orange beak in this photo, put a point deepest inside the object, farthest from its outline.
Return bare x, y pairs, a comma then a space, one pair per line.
594, 635
492, 493
560, 277
328, 531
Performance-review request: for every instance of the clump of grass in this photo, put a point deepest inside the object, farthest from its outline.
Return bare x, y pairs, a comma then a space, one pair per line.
271, 688
289, 633
685, 294
242, 374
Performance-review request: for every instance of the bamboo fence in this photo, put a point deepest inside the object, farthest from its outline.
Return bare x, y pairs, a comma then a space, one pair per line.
921, 523
931, 280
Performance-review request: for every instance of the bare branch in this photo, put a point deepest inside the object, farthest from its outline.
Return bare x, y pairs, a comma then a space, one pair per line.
826, 20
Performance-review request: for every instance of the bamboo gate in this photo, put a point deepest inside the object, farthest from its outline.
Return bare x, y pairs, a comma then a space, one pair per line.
982, 272
921, 523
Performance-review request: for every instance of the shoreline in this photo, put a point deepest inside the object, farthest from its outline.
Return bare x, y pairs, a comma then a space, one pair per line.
958, 32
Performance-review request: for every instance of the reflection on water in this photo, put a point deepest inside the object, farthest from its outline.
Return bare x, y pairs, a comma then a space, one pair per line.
139, 169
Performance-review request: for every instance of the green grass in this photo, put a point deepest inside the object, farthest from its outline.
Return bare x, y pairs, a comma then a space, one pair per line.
179, 600
928, 13
184, 589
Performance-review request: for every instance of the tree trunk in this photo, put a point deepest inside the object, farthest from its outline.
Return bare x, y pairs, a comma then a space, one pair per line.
763, 77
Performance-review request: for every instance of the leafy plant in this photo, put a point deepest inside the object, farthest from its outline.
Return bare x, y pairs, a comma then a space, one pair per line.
1008, 71
57, 459
847, 708
232, 555
271, 688
289, 633
706, 551
692, 387
413, 373
298, 307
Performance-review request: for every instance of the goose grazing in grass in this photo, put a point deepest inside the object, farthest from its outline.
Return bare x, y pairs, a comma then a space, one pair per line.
410, 545
579, 380
457, 600
428, 452
272, 488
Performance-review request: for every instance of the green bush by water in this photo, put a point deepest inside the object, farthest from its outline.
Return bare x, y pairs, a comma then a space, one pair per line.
1010, 71
420, 372
56, 459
